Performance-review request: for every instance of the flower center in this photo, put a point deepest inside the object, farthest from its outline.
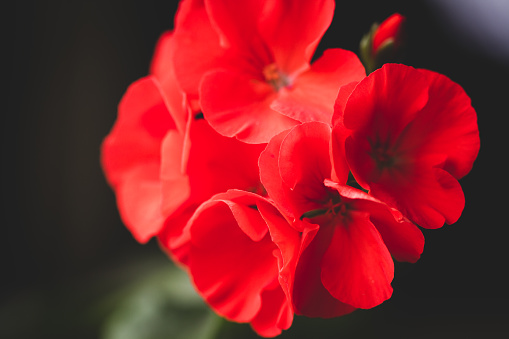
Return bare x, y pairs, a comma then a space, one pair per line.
275, 77
334, 208
383, 157
383, 153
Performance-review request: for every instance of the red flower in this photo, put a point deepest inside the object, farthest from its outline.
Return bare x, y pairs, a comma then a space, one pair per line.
410, 135
131, 157
257, 80
233, 261
347, 236
163, 160
389, 32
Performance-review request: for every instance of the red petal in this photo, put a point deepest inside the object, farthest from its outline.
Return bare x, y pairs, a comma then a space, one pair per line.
233, 279
436, 197
217, 163
340, 103
275, 314
139, 201
162, 68
143, 119
236, 104
197, 46
447, 125
176, 186
237, 22
387, 99
131, 157
304, 162
271, 178
310, 297
311, 96
357, 268
287, 240
175, 239
293, 29
341, 169
304, 155
403, 239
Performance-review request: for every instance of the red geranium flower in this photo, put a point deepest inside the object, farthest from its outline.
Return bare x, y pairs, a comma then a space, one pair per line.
131, 157
347, 235
410, 135
257, 79
233, 261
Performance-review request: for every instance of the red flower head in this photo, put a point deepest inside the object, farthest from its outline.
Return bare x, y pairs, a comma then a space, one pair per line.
347, 236
410, 135
250, 61
234, 263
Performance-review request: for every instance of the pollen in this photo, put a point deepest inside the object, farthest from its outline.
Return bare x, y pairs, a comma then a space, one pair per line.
275, 77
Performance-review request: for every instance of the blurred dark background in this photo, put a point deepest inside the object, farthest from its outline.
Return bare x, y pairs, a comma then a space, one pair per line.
65, 250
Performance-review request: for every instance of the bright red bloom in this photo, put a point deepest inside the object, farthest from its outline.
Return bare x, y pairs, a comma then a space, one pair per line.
410, 135
163, 160
233, 261
347, 236
131, 157
257, 80
389, 32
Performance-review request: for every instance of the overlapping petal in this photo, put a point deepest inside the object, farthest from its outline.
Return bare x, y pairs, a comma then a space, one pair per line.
407, 144
131, 157
237, 104
243, 287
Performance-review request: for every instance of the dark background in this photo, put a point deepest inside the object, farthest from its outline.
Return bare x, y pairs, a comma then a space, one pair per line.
65, 249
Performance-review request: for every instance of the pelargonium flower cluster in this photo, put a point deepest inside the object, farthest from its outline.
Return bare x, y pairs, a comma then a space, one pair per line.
285, 186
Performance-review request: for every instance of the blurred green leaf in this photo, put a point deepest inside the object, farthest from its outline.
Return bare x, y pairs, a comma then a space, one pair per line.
162, 305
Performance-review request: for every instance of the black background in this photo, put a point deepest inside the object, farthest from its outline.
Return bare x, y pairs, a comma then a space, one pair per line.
67, 65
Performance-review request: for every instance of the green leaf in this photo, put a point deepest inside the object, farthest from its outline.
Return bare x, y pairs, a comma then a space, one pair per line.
161, 306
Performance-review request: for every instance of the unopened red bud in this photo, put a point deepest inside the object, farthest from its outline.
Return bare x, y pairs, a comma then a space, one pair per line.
389, 32
383, 43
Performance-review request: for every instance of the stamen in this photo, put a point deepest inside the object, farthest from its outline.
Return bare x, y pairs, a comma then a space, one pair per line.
275, 77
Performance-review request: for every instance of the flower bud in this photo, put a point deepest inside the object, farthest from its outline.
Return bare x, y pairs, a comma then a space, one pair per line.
388, 33
383, 43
